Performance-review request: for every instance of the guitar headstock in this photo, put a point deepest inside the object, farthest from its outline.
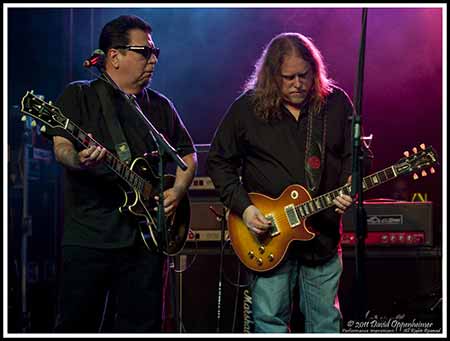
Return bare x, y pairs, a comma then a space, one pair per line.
37, 108
418, 161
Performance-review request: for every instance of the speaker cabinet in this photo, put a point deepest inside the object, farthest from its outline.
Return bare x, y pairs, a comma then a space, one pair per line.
404, 283
197, 296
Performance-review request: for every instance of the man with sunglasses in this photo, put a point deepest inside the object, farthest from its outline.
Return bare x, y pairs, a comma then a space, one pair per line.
104, 258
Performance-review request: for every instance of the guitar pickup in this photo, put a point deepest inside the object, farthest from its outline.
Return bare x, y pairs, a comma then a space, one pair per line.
291, 216
273, 230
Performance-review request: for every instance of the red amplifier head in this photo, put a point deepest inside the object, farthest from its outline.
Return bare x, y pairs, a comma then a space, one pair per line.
397, 223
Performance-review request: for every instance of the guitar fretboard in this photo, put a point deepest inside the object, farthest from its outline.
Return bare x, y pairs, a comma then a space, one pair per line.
325, 201
121, 169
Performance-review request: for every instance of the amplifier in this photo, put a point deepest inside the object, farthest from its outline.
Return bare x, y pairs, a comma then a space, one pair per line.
393, 223
206, 214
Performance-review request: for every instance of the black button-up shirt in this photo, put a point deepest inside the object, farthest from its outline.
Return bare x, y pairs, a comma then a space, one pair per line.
269, 156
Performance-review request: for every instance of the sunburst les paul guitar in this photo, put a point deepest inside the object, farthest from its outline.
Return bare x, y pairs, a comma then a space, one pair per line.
140, 183
289, 213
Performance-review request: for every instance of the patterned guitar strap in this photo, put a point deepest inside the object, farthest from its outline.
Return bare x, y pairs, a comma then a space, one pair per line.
315, 151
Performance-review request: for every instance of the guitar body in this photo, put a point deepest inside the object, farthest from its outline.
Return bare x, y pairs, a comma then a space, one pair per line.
141, 206
265, 253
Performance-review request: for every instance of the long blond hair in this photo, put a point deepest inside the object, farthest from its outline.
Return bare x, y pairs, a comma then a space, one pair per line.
265, 81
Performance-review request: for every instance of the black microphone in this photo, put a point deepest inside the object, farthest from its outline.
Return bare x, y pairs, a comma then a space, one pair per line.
96, 59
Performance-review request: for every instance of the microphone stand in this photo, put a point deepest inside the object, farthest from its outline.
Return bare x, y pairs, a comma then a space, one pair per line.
164, 149
221, 218
359, 213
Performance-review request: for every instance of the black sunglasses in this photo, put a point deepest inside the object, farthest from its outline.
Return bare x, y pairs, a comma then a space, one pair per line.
142, 50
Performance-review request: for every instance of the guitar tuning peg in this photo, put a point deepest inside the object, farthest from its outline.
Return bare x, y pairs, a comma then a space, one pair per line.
432, 170
415, 176
50, 102
406, 153
23, 118
424, 173
414, 150
422, 146
43, 129
33, 123
32, 92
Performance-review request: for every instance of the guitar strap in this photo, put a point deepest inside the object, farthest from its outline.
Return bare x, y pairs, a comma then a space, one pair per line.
315, 150
110, 114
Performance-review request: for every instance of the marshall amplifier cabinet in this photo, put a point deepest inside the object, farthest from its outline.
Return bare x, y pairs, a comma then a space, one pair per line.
393, 223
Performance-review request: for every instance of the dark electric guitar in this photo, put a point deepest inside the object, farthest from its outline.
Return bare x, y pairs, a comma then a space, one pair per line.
290, 211
140, 181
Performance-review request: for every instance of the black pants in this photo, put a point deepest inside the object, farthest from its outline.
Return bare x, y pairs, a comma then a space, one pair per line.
133, 278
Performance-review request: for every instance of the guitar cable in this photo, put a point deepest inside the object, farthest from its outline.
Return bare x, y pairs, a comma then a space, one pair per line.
179, 271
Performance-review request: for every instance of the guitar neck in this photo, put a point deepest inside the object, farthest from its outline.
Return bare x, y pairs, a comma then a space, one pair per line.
121, 169
325, 201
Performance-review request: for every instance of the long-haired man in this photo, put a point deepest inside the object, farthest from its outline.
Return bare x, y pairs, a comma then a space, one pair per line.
290, 126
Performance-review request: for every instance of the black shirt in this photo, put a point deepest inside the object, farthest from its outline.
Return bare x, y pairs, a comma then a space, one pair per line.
92, 197
271, 156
